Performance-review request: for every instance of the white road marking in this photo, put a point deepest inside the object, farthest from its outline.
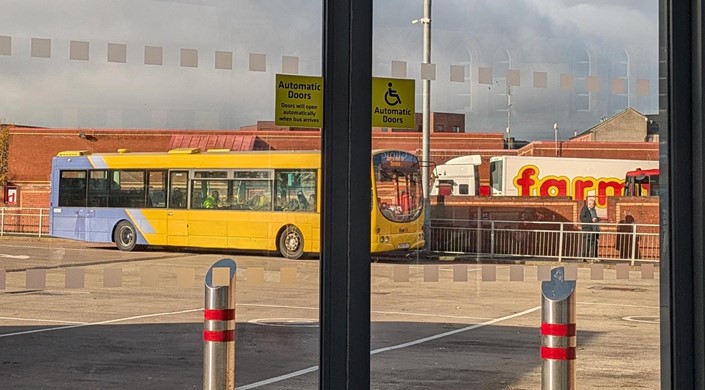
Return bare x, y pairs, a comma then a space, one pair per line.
456, 331
391, 348
286, 322
38, 320
53, 248
21, 257
98, 323
639, 319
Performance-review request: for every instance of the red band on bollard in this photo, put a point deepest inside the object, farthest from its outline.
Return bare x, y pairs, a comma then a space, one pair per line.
219, 335
558, 353
561, 330
219, 314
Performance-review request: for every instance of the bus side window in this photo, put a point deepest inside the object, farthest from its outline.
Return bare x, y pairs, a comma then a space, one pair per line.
178, 191
72, 189
98, 189
197, 200
156, 185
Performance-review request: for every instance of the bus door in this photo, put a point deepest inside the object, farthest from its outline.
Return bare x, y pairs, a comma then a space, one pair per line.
177, 214
69, 214
97, 215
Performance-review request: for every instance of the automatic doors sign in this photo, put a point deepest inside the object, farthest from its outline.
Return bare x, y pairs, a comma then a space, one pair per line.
299, 101
393, 103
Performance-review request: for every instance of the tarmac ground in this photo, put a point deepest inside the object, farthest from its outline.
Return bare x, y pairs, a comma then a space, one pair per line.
82, 316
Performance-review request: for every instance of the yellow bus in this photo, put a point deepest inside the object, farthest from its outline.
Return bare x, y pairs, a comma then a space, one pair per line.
253, 200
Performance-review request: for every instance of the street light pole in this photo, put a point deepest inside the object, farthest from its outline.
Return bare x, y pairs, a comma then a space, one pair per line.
509, 115
555, 136
426, 131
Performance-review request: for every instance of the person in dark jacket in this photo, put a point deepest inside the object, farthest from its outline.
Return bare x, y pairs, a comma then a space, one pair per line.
589, 219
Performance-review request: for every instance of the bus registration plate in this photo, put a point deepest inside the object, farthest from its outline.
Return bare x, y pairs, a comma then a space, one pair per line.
403, 246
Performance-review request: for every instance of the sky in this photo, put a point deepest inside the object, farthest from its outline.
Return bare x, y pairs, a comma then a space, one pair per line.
539, 35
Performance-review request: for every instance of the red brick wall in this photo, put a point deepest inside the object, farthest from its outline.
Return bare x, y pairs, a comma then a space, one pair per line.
31, 150
644, 210
615, 150
34, 196
445, 119
506, 208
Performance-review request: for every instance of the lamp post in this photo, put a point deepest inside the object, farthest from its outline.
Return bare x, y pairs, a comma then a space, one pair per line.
509, 115
426, 131
555, 136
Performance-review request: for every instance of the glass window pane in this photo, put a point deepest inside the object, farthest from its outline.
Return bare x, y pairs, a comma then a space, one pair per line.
157, 189
296, 190
178, 182
98, 186
163, 117
545, 150
72, 189
127, 189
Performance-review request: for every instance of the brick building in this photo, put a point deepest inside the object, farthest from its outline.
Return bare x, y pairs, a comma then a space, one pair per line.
32, 149
439, 122
627, 126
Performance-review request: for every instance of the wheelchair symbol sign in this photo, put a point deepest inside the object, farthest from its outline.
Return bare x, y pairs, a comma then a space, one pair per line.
393, 103
391, 96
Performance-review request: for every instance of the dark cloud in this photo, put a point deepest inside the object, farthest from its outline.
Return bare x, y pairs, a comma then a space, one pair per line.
539, 35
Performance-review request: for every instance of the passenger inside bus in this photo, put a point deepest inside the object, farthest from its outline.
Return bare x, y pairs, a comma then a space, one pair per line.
177, 199
213, 201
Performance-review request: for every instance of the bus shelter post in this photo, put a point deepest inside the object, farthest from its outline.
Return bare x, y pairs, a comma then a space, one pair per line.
219, 326
558, 333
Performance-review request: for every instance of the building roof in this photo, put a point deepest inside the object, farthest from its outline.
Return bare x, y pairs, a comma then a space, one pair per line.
205, 142
605, 121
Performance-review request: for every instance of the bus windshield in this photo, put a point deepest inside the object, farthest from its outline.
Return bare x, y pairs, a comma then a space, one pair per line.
397, 182
642, 183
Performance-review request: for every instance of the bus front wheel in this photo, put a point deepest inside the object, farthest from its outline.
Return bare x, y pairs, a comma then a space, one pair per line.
125, 236
291, 243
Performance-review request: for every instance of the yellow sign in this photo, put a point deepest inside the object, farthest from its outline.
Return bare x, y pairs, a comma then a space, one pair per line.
393, 103
299, 101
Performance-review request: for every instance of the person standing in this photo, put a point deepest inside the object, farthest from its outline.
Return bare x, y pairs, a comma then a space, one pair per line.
589, 219
213, 201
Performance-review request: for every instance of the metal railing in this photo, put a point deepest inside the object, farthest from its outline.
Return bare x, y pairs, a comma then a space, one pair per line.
24, 221
555, 240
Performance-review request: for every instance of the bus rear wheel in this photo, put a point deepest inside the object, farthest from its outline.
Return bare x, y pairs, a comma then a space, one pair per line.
291, 243
125, 236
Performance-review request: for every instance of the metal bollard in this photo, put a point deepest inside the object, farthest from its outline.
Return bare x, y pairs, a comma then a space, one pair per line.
219, 327
558, 335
